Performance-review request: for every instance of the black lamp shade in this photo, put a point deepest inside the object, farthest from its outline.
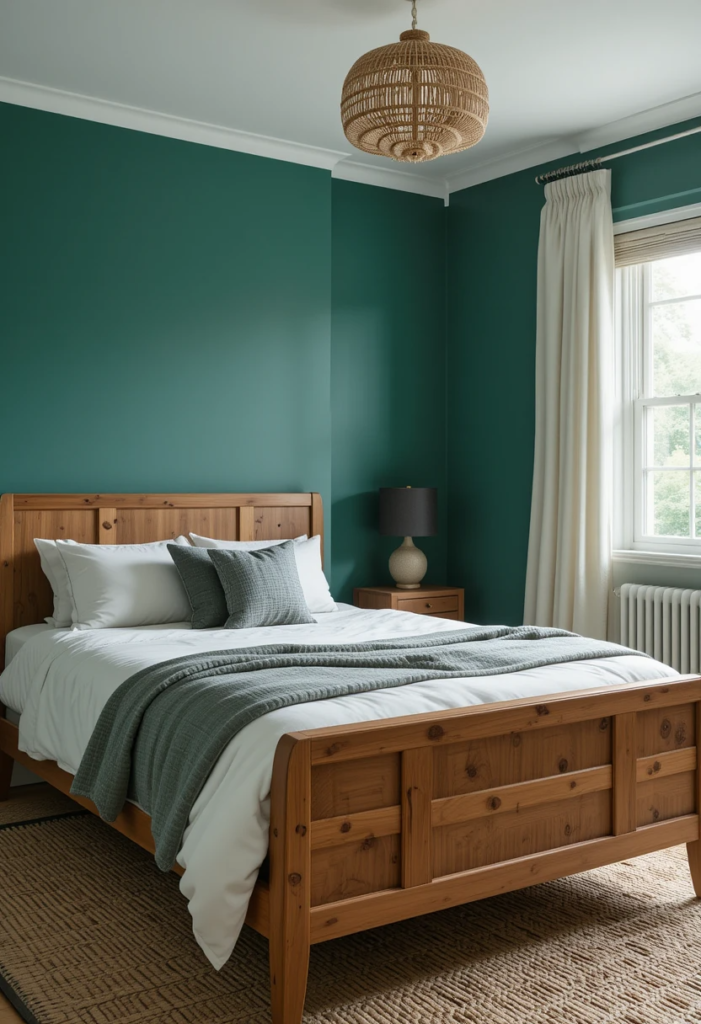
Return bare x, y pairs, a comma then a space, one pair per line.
408, 511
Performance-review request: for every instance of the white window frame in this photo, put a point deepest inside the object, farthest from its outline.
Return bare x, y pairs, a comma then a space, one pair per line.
633, 368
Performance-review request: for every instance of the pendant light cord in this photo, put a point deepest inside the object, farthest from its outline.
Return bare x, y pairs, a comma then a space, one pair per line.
414, 15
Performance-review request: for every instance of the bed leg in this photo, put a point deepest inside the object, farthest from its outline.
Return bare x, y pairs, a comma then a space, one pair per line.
289, 967
6, 766
693, 852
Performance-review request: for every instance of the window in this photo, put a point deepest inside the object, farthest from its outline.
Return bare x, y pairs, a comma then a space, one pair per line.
659, 386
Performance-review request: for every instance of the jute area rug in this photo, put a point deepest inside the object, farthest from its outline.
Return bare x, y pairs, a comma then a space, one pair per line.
93, 932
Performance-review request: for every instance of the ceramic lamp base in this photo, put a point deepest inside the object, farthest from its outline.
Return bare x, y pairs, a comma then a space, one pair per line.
407, 565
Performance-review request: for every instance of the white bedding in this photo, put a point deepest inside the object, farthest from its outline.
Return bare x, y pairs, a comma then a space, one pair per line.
16, 639
61, 679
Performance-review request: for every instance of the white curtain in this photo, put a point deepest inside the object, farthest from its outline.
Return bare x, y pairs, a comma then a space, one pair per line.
569, 549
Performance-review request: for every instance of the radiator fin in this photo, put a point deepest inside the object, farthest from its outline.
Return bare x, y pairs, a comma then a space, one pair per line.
664, 622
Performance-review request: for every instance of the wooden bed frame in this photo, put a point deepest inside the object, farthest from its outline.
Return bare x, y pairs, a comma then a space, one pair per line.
382, 821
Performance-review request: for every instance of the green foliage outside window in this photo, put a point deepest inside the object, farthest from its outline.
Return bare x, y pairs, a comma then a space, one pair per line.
676, 370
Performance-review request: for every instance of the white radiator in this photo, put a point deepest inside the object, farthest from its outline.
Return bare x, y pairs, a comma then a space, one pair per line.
665, 622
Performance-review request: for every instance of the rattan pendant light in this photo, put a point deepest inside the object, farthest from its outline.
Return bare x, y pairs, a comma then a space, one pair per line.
414, 100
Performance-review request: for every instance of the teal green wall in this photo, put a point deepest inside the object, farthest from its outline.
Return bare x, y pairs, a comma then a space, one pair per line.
387, 371
492, 254
166, 314
166, 324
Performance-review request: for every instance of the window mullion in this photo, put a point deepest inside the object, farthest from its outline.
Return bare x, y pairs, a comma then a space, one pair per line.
633, 332
675, 298
646, 381
692, 484
645, 384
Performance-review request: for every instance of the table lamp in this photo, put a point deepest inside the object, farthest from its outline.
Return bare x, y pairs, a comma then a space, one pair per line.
408, 512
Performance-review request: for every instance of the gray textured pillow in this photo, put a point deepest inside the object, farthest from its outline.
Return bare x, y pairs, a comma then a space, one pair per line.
262, 588
204, 591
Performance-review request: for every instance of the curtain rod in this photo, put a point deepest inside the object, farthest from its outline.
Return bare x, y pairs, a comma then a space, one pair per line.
595, 163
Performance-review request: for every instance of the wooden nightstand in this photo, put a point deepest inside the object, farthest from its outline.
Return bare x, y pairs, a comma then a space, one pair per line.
441, 602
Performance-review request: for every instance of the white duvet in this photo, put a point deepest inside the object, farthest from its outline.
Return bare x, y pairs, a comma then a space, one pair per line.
60, 680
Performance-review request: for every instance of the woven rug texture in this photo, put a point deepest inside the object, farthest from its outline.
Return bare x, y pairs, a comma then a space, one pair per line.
93, 933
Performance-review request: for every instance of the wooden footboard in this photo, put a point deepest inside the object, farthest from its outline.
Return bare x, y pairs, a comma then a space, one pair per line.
384, 821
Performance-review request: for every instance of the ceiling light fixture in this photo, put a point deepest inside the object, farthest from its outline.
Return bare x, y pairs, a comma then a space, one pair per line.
414, 100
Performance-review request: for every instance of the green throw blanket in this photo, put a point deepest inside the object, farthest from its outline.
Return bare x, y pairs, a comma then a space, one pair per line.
162, 731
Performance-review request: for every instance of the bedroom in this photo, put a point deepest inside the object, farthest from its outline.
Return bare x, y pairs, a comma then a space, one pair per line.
208, 291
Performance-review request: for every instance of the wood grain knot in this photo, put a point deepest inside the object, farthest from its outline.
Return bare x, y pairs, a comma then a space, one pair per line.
346, 826
435, 732
665, 728
516, 740
6, 565
655, 768
332, 920
106, 525
568, 830
494, 804
301, 830
471, 771
333, 749
562, 764
294, 878
542, 709
647, 697
680, 734
655, 814
275, 832
367, 844
604, 724
573, 784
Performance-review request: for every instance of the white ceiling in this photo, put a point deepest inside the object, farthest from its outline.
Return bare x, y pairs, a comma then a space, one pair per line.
556, 69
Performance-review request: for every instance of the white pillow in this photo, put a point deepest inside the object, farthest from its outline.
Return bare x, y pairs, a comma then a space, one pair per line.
239, 545
311, 576
115, 585
55, 572
308, 557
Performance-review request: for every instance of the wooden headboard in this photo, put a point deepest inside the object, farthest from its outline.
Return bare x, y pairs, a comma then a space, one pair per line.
25, 594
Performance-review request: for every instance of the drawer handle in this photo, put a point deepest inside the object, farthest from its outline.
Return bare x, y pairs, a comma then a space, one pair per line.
428, 604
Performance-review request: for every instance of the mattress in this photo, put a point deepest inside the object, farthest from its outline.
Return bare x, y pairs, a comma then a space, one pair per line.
17, 638
60, 680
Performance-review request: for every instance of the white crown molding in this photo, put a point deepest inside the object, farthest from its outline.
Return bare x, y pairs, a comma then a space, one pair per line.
512, 163
56, 101
26, 94
389, 177
639, 124
616, 131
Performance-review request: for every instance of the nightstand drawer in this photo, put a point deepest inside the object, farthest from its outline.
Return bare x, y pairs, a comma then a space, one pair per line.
446, 602
428, 605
